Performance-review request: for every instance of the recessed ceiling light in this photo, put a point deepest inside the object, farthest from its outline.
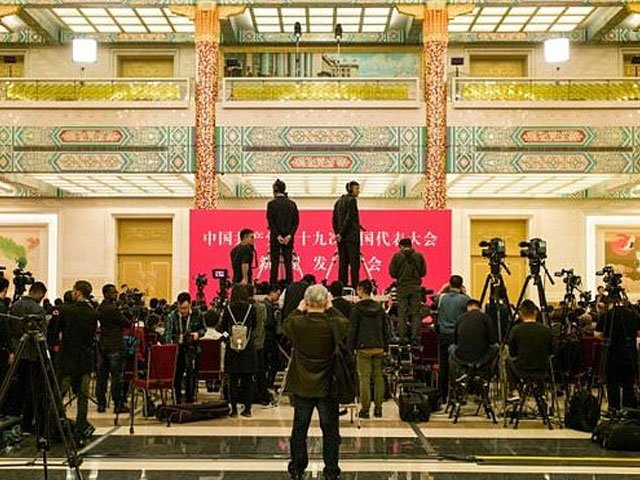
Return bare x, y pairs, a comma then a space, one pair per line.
516, 19
122, 12
160, 28
374, 28
463, 19
134, 28
510, 27
266, 12
348, 20
542, 19
267, 20
571, 19
75, 20
292, 12
458, 28
494, 10
67, 12
483, 28
94, 12
321, 12
321, 21
320, 28
522, 10
533, 27
82, 28
563, 27
485, 19
154, 20
550, 10
185, 28
180, 20
377, 11
128, 21
102, 20
579, 10
268, 28
108, 29
150, 12
375, 20
349, 11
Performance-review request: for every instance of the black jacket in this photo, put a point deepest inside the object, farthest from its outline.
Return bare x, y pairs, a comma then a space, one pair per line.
18, 324
293, 295
5, 337
346, 219
245, 361
78, 324
369, 326
283, 218
313, 343
112, 323
345, 306
408, 267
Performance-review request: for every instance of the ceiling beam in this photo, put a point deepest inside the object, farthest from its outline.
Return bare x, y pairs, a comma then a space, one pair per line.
40, 22
605, 20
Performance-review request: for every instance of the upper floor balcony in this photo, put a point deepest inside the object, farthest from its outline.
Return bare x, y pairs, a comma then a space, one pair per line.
62, 93
557, 93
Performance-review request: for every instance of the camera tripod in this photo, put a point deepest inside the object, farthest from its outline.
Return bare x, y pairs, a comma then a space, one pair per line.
498, 297
535, 266
35, 340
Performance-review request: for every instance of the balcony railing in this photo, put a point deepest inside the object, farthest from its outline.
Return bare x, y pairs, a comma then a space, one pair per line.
474, 91
280, 91
27, 92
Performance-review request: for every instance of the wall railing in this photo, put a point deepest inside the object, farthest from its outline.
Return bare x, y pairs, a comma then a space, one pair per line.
243, 90
29, 91
472, 91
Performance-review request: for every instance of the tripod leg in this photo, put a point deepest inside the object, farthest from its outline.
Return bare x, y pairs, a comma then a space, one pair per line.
11, 374
485, 288
523, 292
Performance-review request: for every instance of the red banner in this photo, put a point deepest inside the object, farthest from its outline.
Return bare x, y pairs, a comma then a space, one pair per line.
213, 233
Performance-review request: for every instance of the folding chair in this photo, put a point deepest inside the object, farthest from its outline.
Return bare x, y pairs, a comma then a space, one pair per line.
209, 362
160, 373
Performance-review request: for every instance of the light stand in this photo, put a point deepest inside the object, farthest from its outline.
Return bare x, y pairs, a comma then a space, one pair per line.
337, 33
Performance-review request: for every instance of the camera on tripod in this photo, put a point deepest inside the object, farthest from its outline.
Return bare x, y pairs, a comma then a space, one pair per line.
21, 279
131, 304
495, 250
571, 280
612, 280
222, 275
535, 250
201, 281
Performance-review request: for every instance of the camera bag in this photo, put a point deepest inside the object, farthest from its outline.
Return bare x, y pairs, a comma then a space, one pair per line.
192, 412
583, 412
414, 407
621, 433
432, 393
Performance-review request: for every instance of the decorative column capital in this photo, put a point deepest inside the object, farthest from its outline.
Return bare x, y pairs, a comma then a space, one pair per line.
207, 22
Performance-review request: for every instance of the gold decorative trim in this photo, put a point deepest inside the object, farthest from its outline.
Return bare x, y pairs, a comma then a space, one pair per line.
188, 11
633, 7
6, 10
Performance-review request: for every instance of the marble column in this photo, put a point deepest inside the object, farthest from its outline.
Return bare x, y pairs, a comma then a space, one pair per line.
434, 53
207, 56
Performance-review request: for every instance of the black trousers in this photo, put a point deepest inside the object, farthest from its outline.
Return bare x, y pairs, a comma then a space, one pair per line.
349, 256
262, 390
621, 377
241, 390
30, 396
328, 410
186, 366
275, 250
445, 340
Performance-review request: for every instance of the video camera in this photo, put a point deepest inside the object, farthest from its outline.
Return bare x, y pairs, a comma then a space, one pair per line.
535, 249
612, 281
21, 279
201, 281
495, 250
131, 304
222, 275
569, 278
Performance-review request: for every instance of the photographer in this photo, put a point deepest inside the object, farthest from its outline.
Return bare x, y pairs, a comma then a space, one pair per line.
185, 327
28, 398
78, 326
113, 351
408, 267
310, 331
620, 327
243, 258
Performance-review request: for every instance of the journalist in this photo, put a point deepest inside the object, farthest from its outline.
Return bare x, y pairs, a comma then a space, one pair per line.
262, 395
311, 333
619, 326
243, 258
113, 351
369, 337
185, 327
272, 329
345, 306
294, 294
78, 326
28, 395
283, 219
346, 227
408, 267
451, 303
475, 341
241, 361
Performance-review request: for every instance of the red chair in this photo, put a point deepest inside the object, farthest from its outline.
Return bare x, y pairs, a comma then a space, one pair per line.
161, 370
209, 362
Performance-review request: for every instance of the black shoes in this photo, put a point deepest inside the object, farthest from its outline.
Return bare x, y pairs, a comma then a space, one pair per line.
377, 413
364, 415
120, 410
102, 408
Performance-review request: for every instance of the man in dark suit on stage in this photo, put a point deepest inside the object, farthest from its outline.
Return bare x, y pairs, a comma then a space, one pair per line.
346, 226
283, 218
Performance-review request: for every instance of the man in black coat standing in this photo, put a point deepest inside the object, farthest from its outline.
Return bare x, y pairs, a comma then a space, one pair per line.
346, 226
283, 218
78, 325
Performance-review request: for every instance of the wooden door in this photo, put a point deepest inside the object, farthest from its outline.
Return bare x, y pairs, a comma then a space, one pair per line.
145, 255
512, 231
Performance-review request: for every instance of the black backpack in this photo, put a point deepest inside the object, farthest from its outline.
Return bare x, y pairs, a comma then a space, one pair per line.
583, 412
343, 380
620, 433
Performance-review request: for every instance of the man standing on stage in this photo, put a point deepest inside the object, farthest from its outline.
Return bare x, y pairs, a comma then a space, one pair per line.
283, 218
243, 258
346, 226
408, 267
